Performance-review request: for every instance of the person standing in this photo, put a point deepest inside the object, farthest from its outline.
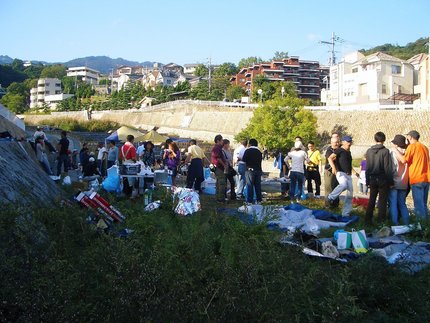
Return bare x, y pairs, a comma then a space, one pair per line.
195, 175
330, 181
379, 177
101, 158
417, 158
398, 193
128, 155
148, 155
280, 164
140, 150
363, 188
229, 171
313, 169
172, 157
63, 153
253, 158
341, 166
113, 152
240, 167
297, 170
41, 155
218, 160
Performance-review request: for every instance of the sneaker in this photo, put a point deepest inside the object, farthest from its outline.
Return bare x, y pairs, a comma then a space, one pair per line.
328, 202
317, 196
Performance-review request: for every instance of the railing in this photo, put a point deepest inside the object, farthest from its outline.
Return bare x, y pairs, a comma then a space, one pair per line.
370, 107
172, 104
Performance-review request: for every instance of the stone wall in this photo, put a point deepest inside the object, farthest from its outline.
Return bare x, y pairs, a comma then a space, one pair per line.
204, 122
22, 181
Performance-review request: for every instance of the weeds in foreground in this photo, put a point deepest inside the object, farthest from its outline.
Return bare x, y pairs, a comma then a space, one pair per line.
206, 267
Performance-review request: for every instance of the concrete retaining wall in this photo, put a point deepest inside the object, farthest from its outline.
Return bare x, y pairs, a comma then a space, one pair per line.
204, 122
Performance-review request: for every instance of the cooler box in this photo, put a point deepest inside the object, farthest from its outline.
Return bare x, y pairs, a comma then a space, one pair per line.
161, 177
130, 169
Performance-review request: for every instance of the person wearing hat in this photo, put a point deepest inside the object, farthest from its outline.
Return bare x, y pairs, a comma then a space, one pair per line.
297, 170
398, 193
91, 168
341, 165
379, 177
417, 158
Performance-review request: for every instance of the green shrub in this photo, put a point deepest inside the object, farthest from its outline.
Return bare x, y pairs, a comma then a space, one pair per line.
70, 124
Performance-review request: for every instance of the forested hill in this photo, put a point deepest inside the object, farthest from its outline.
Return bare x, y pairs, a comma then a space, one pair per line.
402, 52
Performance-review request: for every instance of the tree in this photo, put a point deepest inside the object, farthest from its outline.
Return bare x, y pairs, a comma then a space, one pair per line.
54, 71
201, 70
271, 89
226, 69
276, 123
235, 92
249, 61
17, 64
279, 56
16, 103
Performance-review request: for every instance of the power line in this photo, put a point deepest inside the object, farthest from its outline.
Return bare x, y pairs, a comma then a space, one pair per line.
334, 39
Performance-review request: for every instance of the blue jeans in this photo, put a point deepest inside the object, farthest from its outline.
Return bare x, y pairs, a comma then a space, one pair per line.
296, 184
397, 200
345, 184
240, 179
253, 180
420, 192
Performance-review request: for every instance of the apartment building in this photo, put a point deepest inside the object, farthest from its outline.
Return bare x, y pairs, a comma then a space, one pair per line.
308, 76
376, 78
87, 74
48, 91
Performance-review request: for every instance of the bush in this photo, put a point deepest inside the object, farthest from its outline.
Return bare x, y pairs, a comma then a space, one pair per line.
70, 124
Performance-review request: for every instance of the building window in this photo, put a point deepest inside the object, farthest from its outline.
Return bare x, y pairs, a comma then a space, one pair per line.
46, 84
355, 70
396, 69
384, 88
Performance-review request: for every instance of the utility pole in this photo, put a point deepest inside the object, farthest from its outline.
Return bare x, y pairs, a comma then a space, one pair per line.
334, 39
210, 76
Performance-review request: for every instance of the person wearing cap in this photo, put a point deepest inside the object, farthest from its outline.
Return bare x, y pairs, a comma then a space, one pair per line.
297, 170
379, 177
417, 158
91, 168
330, 181
341, 164
398, 193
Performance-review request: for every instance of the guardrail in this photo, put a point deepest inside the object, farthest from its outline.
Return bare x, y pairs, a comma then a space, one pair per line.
371, 107
172, 104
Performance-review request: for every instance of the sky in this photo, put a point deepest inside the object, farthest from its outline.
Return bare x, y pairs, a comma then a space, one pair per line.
192, 31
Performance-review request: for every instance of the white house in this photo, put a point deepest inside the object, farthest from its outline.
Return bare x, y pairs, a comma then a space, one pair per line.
190, 68
45, 87
376, 78
87, 74
421, 63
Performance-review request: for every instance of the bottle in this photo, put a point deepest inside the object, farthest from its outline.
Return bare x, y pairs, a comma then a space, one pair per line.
146, 197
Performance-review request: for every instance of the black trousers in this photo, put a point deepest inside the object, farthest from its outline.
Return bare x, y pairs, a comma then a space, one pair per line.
230, 178
382, 189
314, 175
195, 175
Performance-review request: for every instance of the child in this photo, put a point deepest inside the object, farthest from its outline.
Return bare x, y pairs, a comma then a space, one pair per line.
362, 179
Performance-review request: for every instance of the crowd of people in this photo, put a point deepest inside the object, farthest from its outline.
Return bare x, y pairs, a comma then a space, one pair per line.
386, 175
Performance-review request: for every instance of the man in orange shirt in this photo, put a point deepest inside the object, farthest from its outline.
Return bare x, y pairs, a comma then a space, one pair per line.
417, 158
127, 154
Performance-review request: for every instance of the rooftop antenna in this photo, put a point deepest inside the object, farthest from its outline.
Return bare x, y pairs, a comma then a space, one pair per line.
334, 39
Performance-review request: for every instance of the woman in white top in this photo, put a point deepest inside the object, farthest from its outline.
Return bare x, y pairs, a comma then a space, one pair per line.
297, 170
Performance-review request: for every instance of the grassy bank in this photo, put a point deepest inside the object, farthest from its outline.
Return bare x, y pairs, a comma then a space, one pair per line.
70, 124
55, 267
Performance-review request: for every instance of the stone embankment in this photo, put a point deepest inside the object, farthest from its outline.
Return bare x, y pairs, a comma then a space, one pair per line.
204, 122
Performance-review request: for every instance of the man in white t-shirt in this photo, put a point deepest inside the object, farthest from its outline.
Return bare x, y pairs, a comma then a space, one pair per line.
101, 157
240, 167
297, 170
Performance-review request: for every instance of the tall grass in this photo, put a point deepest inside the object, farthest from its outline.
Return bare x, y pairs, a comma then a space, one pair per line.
70, 124
56, 267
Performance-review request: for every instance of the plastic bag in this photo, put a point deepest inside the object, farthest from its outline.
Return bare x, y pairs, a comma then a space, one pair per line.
188, 201
343, 239
67, 180
359, 241
152, 206
112, 182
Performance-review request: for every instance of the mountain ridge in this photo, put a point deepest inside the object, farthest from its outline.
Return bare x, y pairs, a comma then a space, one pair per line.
103, 64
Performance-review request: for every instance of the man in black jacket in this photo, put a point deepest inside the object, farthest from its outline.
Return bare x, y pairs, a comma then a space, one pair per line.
253, 157
379, 177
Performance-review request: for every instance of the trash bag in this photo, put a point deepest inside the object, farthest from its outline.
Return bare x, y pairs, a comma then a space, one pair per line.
152, 206
112, 182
